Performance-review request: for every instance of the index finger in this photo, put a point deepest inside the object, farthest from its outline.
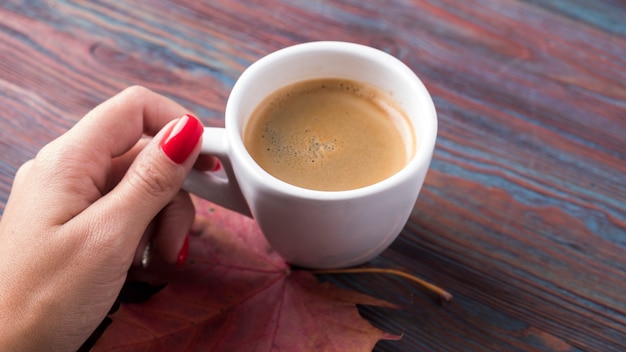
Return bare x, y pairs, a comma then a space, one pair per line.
117, 124
85, 155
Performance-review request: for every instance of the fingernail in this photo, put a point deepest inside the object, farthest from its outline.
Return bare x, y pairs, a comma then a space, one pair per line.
217, 167
146, 255
182, 139
182, 255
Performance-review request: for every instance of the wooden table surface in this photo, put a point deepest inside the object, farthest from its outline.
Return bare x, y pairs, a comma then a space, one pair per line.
523, 213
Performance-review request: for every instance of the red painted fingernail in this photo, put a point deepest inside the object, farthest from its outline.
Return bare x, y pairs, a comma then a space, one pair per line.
182, 255
182, 139
217, 167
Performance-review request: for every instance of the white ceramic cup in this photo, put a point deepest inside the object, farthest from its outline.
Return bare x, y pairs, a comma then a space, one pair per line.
319, 229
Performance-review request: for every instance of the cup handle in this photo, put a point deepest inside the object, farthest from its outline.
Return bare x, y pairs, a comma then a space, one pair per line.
219, 187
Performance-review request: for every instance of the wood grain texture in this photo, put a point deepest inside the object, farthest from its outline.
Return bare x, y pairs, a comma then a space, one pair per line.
523, 214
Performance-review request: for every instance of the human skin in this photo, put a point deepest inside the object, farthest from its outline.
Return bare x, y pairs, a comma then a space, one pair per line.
80, 213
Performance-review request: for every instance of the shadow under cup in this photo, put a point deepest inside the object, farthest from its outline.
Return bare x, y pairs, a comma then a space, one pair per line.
329, 229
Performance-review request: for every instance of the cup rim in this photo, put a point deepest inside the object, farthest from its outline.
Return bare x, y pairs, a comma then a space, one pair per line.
424, 146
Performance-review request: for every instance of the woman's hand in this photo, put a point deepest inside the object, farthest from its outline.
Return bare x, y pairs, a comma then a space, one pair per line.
81, 211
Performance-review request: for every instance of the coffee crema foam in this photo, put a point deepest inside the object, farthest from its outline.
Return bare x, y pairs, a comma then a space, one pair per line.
329, 135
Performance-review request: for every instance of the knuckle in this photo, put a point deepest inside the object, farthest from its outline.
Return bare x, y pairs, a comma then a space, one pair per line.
152, 179
24, 168
48, 152
59, 161
22, 173
51, 161
135, 92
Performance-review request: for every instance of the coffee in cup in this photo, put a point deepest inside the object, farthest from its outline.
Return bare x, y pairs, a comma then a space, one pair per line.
329, 135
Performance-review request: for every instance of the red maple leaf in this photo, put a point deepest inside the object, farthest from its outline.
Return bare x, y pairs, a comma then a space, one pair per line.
237, 294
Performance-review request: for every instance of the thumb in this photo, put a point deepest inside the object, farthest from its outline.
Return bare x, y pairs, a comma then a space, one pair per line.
154, 178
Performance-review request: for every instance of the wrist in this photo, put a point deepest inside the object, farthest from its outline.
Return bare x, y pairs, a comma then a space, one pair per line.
22, 320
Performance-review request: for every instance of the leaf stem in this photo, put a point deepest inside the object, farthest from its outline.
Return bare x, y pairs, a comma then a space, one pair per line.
444, 295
